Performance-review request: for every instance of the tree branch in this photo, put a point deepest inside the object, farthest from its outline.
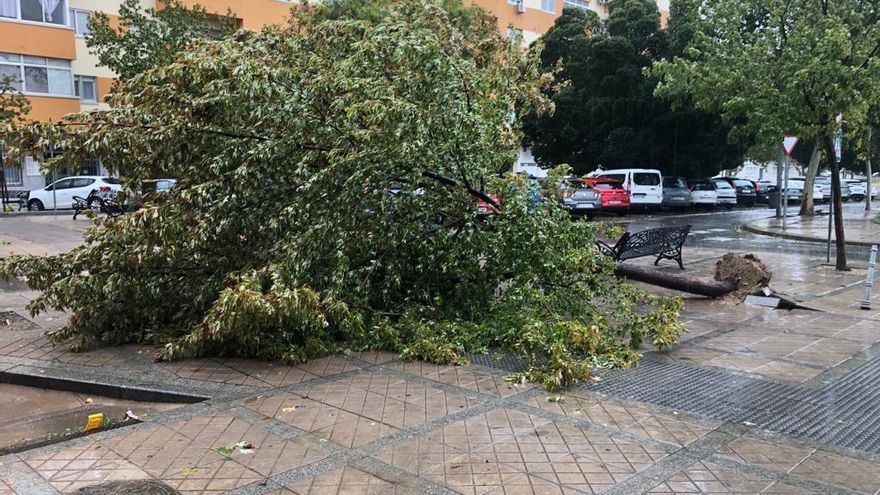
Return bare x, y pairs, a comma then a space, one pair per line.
454, 183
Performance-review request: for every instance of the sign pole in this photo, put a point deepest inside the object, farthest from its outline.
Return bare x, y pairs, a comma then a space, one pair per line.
784, 198
830, 218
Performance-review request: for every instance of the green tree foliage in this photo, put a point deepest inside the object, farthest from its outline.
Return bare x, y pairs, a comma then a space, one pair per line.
147, 38
605, 111
783, 67
328, 178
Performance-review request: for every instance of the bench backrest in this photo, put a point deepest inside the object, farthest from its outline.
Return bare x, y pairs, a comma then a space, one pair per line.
653, 241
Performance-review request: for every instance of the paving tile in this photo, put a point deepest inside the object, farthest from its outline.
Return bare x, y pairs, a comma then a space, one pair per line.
387, 399
418, 455
692, 353
532, 485
777, 455
484, 382
570, 456
672, 428
739, 362
828, 352
374, 357
337, 425
209, 370
472, 474
835, 469
590, 407
348, 480
91, 463
706, 477
865, 331
271, 374
328, 366
185, 454
781, 370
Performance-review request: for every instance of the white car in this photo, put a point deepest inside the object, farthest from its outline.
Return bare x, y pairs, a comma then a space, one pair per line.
60, 193
859, 189
725, 193
644, 185
703, 194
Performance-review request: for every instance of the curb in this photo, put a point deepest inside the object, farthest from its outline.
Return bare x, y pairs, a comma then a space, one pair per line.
97, 388
42, 213
798, 237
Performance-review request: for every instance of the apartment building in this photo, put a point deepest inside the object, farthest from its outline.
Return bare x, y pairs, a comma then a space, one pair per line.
42, 47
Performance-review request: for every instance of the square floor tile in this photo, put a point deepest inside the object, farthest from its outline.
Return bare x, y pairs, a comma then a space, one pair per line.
347, 480
709, 478
89, 464
835, 469
337, 425
774, 455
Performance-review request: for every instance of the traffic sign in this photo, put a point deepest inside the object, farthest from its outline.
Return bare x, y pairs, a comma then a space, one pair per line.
788, 144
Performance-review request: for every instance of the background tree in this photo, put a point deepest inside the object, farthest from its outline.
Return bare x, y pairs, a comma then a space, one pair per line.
605, 111
13, 109
146, 38
328, 176
783, 67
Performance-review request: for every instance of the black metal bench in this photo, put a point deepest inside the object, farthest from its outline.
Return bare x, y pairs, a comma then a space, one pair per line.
102, 201
663, 242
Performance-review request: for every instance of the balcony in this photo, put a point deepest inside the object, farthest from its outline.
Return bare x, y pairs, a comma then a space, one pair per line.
36, 27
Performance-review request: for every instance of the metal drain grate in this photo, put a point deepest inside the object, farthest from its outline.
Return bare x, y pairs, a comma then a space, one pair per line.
500, 360
845, 413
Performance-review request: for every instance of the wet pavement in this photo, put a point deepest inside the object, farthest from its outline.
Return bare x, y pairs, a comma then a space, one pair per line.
752, 400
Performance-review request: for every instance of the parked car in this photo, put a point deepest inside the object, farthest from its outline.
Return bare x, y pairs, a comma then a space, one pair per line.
614, 197
745, 190
156, 186
858, 189
703, 194
798, 183
725, 193
485, 208
825, 183
761, 193
675, 193
643, 184
580, 199
60, 193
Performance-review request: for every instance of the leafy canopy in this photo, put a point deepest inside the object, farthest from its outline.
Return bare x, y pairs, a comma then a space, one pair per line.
328, 179
606, 114
144, 38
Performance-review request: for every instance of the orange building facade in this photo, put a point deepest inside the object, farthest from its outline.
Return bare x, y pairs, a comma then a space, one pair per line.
43, 49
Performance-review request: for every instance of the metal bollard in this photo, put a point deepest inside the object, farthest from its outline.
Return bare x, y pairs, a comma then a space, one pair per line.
869, 280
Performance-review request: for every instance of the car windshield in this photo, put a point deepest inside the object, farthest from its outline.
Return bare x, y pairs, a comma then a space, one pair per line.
646, 179
742, 183
703, 186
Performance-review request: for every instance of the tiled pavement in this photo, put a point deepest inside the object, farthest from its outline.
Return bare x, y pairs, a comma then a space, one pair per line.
369, 424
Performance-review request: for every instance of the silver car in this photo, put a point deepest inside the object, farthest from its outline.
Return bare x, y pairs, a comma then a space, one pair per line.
580, 199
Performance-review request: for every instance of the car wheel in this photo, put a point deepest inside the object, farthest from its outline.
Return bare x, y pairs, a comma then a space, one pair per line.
35, 205
95, 204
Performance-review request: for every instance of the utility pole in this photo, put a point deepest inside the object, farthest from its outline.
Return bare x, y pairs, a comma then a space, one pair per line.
868, 170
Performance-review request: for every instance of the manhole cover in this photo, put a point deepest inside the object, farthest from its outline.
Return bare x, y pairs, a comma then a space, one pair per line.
10, 320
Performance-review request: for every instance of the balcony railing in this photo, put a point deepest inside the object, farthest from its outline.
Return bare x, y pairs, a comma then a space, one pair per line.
42, 11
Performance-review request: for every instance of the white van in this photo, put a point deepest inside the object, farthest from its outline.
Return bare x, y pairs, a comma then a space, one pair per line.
645, 185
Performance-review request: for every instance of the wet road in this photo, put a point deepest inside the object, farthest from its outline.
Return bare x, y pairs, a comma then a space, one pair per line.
720, 230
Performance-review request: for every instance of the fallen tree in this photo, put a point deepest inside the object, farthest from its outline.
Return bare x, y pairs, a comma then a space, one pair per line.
328, 176
675, 281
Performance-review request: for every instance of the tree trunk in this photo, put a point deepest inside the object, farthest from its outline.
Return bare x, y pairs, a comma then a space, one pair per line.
779, 185
702, 286
840, 240
810, 179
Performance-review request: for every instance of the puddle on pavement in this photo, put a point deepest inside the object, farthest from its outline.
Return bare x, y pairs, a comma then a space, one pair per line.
35, 415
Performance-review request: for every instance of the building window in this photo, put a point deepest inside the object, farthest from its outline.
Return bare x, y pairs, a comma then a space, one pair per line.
79, 21
11, 173
580, 4
85, 87
38, 75
548, 5
47, 11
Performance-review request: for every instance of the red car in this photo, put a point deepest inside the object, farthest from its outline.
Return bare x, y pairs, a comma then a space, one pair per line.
614, 197
485, 208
